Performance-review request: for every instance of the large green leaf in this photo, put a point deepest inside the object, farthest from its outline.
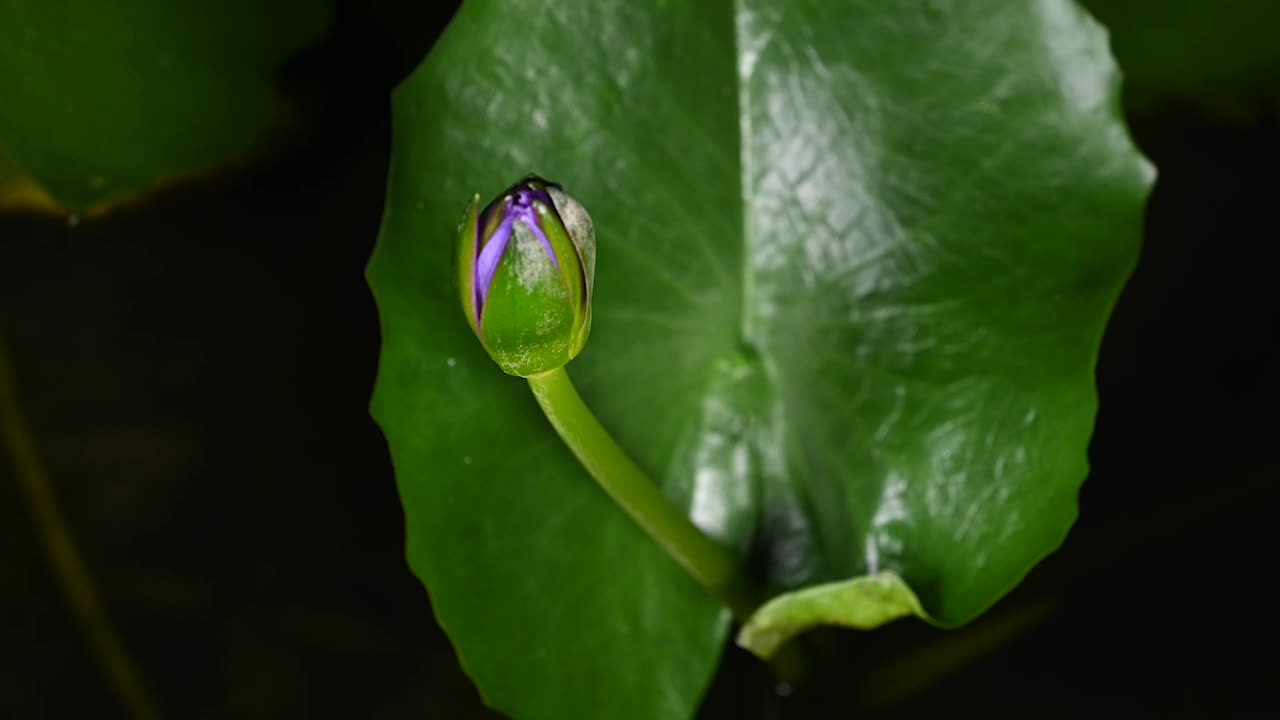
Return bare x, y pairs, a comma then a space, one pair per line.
103, 98
854, 262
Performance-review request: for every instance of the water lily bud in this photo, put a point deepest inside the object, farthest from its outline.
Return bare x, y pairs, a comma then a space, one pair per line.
526, 264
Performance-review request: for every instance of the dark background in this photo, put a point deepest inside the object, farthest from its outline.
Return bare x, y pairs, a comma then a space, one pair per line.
196, 371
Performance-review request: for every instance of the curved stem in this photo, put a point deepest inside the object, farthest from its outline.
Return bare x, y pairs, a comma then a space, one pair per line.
710, 564
67, 565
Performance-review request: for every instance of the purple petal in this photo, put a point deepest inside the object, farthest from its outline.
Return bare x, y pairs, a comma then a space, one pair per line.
487, 263
530, 220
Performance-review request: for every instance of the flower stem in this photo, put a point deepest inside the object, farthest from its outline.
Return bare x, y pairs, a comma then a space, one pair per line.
64, 559
709, 563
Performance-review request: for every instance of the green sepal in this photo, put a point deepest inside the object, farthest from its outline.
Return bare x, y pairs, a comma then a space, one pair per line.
528, 323
571, 272
576, 224
465, 261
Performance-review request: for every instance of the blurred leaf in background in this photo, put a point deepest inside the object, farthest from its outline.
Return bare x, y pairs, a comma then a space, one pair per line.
18, 190
103, 99
1203, 50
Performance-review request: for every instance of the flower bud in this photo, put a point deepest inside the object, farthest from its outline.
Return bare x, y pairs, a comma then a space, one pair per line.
526, 264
